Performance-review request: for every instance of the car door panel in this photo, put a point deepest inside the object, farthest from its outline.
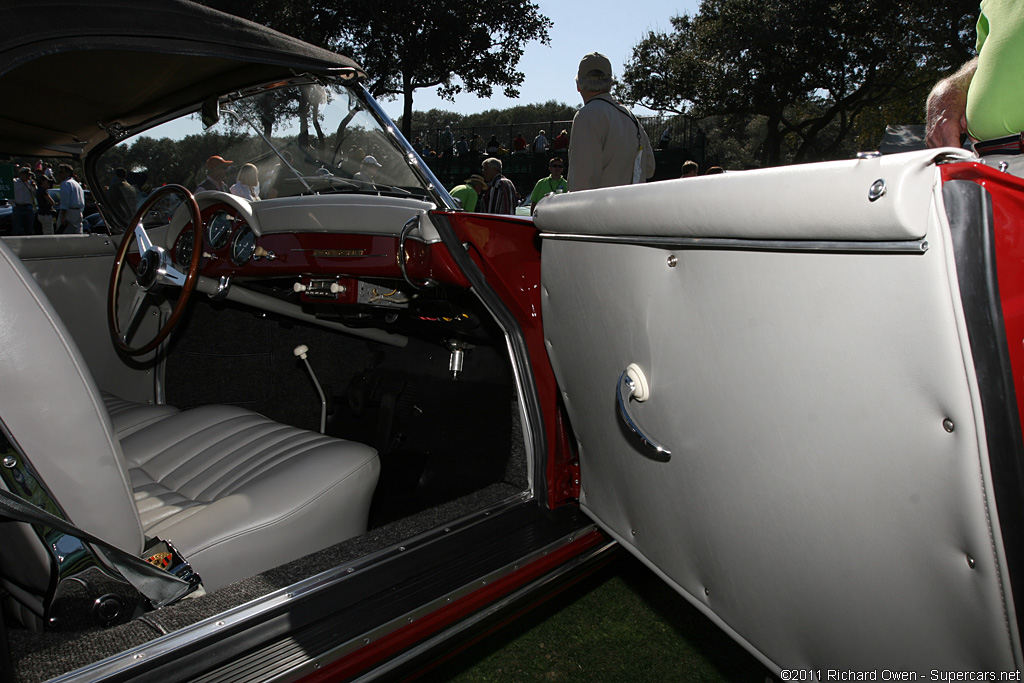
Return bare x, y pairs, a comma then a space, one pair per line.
828, 499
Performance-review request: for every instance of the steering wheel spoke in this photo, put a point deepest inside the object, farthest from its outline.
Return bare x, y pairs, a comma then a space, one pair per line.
132, 322
142, 238
172, 275
154, 270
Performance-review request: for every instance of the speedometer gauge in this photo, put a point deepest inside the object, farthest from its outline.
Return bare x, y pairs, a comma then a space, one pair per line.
243, 246
218, 230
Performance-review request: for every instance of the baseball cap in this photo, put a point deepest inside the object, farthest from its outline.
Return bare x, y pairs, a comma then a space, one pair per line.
371, 161
215, 161
594, 65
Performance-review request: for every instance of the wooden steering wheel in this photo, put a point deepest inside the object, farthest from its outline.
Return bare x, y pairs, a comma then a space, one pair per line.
155, 272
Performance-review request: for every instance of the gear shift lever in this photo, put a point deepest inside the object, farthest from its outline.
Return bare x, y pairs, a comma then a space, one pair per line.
302, 351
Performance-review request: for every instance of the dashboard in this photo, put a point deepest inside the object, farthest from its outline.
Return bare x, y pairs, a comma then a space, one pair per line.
383, 280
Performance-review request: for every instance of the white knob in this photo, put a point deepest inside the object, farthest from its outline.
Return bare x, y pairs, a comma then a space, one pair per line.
642, 392
299, 287
301, 350
337, 288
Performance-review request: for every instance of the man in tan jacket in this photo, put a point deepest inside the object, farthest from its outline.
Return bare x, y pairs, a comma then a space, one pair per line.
608, 145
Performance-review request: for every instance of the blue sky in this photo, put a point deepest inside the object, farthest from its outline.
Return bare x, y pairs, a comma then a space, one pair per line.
612, 28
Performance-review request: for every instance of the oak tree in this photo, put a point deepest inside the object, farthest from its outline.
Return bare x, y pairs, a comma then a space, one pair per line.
811, 69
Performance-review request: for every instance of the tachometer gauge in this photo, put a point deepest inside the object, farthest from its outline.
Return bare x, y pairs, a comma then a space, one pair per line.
183, 250
218, 229
243, 246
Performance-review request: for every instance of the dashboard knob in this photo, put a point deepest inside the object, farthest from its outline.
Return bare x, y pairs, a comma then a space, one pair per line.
299, 287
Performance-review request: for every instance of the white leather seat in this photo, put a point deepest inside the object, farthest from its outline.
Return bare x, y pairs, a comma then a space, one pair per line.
234, 491
238, 493
129, 416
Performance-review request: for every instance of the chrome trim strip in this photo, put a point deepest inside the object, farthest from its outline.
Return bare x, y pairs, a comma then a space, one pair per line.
907, 247
532, 457
312, 665
471, 622
415, 162
123, 663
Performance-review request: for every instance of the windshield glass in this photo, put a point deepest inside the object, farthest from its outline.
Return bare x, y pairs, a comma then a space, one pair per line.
330, 143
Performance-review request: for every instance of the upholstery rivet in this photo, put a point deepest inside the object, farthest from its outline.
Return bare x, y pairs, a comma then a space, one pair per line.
877, 190
970, 562
633, 531
10, 461
707, 592
672, 261
948, 425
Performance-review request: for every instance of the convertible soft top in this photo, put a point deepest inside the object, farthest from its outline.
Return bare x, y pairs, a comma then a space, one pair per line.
118, 63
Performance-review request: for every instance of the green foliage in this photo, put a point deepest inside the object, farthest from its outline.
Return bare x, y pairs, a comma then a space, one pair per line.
818, 73
437, 119
449, 44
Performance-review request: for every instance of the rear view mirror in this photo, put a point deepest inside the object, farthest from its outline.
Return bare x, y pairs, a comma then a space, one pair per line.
211, 112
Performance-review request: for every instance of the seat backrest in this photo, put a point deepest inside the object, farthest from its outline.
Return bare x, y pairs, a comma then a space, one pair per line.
53, 412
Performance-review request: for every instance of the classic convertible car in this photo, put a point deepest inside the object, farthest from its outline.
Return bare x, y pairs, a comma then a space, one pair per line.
342, 428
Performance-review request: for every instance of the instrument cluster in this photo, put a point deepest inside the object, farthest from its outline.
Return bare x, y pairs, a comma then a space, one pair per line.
226, 235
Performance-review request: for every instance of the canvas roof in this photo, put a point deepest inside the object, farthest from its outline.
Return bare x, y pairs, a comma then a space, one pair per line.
72, 71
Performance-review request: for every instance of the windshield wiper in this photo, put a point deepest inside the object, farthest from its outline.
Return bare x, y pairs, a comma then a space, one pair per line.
239, 116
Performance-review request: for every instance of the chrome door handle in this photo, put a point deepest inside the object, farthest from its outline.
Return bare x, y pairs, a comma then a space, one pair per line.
633, 386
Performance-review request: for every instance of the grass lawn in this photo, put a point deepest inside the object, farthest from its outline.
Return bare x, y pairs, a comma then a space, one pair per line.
620, 625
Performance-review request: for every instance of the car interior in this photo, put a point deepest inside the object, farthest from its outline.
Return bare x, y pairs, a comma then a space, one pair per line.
328, 385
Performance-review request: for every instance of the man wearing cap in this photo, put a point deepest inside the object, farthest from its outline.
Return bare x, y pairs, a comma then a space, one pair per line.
368, 169
608, 145
23, 214
216, 170
469, 192
983, 98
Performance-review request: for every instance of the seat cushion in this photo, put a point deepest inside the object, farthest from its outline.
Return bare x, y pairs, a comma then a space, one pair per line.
238, 493
129, 416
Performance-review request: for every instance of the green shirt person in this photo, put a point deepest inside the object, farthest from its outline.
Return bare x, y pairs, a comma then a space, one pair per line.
983, 98
995, 100
553, 184
469, 192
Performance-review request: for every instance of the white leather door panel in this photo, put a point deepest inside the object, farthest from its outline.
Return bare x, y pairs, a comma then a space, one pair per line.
827, 500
